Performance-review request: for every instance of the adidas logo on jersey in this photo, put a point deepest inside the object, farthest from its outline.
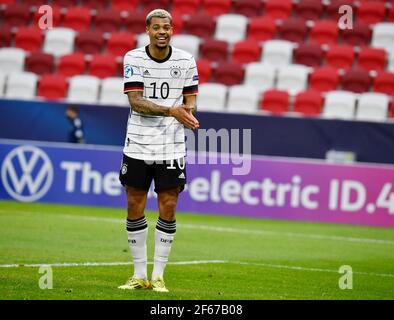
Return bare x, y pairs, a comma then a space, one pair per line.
146, 73
181, 176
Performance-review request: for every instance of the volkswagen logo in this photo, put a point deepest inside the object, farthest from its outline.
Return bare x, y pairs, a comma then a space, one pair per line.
27, 173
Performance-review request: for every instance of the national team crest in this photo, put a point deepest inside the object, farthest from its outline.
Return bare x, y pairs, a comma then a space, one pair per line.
124, 169
128, 71
175, 72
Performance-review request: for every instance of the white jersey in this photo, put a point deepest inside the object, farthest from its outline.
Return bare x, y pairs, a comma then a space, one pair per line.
163, 82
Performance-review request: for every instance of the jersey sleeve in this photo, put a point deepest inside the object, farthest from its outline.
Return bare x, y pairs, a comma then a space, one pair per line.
132, 77
191, 83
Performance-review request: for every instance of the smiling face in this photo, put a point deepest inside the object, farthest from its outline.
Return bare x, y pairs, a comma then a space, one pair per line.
159, 32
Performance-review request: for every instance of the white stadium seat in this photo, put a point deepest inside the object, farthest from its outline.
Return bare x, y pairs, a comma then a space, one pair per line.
2, 83
112, 92
372, 106
339, 105
142, 40
293, 78
22, 85
260, 75
383, 36
231, 27
243, 99
59, 41
390, 64
187, 42
83, 89
211, 97
12, 60
277, 52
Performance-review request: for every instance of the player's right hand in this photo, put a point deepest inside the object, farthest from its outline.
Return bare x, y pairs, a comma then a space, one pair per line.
183, 115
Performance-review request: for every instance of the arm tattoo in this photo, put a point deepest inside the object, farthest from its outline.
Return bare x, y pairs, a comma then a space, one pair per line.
141, 105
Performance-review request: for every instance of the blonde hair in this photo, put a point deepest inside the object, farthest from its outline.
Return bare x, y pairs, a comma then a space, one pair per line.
158, 13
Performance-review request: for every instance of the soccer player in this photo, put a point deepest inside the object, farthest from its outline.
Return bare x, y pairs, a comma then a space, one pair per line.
76, 133
162, 84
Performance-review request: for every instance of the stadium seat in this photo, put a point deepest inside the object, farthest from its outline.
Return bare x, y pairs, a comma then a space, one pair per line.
214, 50
371, 12
67, 3
5, 36
324, 32
333, 6
186, 7
204, 68
21, 85
142, 40
384, 83
246, 51
154, 4
135, 22
294, 30
340, 56
212, 97
89, 42
339, 105
12, 60
107, 21
308, 103
309, 9
111, 92
261, 28
248, 8
103, 66
202, 26
2, 83
243, 99
359, 35
383, 36
7, 2
372, 107
390, 17
356, 80
55, 13
229, 73
278, 9
187, 42
277, 52
59, 41
178, 23
310, 54
390, 59
72, 64
216, 7
275, 101
78, 18
372, 59
324, 79
95, 4
83, 89
293, 78
231, 27
260, 75
29, 39
119, 43
52, 86
40, 63
17, 15
124, 5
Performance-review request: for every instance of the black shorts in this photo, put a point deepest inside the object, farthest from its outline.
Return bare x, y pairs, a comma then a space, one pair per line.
167, 174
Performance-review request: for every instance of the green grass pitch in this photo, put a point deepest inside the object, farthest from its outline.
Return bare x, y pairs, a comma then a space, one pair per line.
213, 257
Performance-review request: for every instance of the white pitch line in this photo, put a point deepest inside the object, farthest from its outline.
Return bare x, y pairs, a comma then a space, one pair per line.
193, 262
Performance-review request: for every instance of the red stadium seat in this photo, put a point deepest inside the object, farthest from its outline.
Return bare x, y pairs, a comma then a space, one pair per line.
324, 32
119, 43
390, 18
294, 30
214, 50
216, 7
67, 3
359, 35
204, 70
103, 66
135, 22
124, 5
308, 103
72, 64
278, 9
334, 5
262, 28
229, 73
29, 39
56, 16
5, 36
372, 58
275, 101
7, 2
324, 79
371, 12
154, 4
40, 63
95, 4
89, 42
200, 25
248, 8
52, 87
308, 54
189, 7
309, 9
17, 15
340, 56
178, 23
246, 51
107, 20
356, 80
31, 2
78, 18
384, 83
